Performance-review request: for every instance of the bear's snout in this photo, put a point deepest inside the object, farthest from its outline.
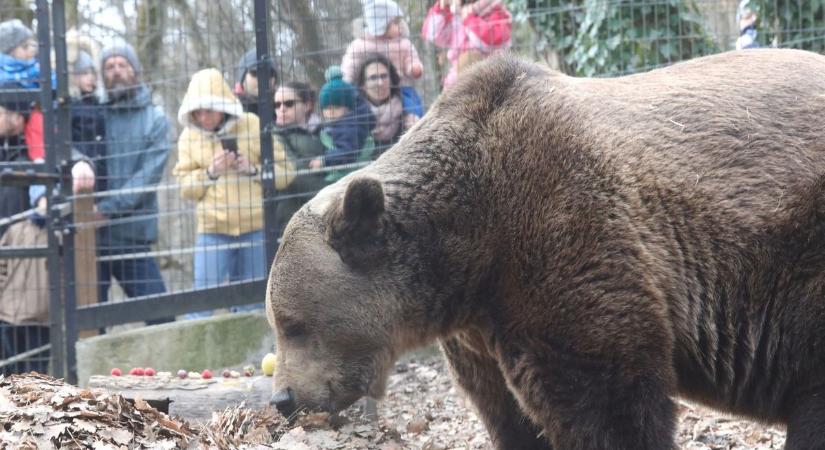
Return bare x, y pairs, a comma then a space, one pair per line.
284, 401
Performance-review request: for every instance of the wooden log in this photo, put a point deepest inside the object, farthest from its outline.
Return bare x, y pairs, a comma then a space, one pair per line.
190, 399
197, 399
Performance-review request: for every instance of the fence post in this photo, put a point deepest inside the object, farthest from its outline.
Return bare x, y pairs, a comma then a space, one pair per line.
53, 261
62, 148
266, 114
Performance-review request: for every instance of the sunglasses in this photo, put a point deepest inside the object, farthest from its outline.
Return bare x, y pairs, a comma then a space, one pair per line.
286, 103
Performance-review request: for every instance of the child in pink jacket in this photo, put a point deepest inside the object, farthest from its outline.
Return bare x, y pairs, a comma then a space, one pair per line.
386, 33
466, 27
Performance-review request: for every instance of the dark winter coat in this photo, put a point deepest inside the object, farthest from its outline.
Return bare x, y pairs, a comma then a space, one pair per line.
349, 134
13, 199
89, 134
303, 147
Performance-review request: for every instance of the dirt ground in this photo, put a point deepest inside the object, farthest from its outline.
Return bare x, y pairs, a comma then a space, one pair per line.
422, 410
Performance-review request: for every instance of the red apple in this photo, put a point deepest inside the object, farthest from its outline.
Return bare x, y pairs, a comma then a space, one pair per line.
116, 372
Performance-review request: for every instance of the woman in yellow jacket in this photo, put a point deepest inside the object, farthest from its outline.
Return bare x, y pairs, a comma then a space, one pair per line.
218, 154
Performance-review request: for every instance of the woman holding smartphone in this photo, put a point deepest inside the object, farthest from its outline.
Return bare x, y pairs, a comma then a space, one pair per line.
218, 154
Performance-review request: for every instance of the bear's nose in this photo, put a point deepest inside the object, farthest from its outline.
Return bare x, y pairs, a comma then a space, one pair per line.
284, 400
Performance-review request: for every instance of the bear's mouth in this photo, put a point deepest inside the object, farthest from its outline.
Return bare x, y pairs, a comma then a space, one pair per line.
337, 401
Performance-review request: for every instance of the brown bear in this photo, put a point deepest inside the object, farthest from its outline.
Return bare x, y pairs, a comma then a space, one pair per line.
584, 250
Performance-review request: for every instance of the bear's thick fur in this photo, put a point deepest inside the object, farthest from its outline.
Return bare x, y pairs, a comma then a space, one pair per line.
585, 249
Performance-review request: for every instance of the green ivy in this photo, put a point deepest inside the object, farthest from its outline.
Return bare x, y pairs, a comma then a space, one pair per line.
791, 23
610, 37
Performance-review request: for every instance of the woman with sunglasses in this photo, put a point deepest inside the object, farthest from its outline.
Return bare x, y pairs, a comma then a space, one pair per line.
294, 116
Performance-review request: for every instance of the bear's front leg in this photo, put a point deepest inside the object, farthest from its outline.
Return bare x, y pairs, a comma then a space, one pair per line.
479, 376
806, 419
584, 402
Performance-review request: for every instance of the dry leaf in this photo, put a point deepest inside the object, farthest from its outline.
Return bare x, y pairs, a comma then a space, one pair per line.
315, 420
55, 430
417, 425
102, 445
85, 425
163, 445
118, 435
141, 405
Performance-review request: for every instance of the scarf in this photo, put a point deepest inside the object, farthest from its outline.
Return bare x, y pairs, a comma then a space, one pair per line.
387, 119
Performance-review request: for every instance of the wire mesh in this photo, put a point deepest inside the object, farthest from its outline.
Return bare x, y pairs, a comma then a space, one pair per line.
164, 97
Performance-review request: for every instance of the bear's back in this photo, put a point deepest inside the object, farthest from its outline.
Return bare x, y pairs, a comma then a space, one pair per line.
743, 129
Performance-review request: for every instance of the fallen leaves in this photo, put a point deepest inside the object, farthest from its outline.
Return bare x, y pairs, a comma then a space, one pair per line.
237, 426
422, 410
41, 412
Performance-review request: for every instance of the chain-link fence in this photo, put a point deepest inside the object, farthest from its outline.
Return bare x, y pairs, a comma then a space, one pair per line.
186, 165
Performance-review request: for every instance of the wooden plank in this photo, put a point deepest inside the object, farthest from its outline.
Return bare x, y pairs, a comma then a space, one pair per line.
85, 257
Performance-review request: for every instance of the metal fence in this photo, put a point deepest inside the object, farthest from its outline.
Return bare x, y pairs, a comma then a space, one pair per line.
178, 197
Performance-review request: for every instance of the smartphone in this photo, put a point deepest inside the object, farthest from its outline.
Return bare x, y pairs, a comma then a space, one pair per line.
230, 143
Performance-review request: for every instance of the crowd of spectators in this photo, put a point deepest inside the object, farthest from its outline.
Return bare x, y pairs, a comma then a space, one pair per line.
121, 142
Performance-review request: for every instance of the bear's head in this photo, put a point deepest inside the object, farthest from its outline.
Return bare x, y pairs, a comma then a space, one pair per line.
341, 299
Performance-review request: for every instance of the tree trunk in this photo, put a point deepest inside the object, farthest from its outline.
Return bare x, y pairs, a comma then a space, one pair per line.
71, 14
309, 47
202, 57
150, 29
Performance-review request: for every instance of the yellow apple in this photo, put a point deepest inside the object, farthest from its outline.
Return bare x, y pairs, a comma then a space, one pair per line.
268, 364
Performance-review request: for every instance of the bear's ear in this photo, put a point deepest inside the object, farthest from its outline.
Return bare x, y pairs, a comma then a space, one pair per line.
354, 226
364, 200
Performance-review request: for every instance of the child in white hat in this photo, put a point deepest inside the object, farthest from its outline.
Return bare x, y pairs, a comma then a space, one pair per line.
385, 32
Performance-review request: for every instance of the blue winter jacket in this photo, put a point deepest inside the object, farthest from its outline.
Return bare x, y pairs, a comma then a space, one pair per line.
137, 146
349, 134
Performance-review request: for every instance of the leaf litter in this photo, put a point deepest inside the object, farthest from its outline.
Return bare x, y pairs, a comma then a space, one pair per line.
422, 410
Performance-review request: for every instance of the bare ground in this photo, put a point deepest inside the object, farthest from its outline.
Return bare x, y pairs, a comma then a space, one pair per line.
422, 410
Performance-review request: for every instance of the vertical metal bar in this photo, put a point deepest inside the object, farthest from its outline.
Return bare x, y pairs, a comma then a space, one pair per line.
623, 10
62, 148
265, 112
657, 51
685, 31
643, 36
803, 31
56, 316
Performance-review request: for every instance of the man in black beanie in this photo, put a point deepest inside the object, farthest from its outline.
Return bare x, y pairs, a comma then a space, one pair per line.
246, 86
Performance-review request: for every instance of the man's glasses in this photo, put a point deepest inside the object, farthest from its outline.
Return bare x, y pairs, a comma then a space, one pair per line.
378, 77
286, 103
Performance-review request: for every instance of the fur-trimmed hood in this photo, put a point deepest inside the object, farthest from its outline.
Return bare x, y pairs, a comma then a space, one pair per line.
208, 90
